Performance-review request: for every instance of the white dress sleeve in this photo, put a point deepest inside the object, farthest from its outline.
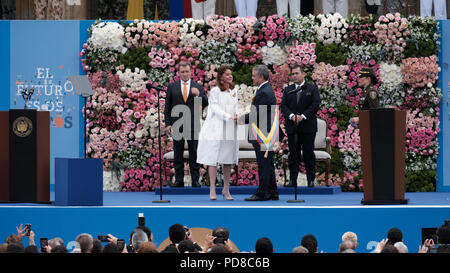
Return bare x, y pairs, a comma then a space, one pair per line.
214, 105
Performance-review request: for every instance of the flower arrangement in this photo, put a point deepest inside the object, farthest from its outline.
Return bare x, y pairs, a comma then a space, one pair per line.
219, 27
193, 32
332, 29
272, 28
160, 58
392, 31
303, 28
361, 30
273, 54
418, 72
122, 116
328, 75
248, 53
218, 53
107, 35
301, 54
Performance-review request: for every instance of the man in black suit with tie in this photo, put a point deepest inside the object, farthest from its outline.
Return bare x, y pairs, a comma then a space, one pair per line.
262, 114
299, 109
184, 96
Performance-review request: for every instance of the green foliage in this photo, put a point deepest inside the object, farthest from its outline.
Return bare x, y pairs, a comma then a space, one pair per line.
136, 57
344, 113
243, 74
420, 48
331, 54
420, 181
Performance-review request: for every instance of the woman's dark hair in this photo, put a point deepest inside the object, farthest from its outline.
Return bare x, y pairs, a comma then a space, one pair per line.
220, 71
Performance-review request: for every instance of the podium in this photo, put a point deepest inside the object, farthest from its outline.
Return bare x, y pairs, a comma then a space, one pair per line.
382, 136
25, 156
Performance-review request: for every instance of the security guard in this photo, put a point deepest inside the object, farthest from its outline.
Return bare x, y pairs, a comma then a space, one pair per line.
369, 97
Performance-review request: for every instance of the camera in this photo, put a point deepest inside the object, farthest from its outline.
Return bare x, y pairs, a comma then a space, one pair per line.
220, 240
103, 238
27, 230
141, 219
188, 232
44, 244
120, 244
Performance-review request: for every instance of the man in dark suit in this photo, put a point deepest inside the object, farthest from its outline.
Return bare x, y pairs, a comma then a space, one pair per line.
299, 109
262, 114
184, 96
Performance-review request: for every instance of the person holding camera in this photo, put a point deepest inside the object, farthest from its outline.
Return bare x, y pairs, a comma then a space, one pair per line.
442, 240
219, 237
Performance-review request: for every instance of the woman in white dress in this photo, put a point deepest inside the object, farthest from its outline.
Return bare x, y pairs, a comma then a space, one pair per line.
217, 143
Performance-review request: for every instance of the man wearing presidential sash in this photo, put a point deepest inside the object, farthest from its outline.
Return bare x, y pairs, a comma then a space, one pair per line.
263, 133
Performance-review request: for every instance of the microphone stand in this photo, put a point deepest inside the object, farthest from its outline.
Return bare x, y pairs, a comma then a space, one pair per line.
295, 146
149, 87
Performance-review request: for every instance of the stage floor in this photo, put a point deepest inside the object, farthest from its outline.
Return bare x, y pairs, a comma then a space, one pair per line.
338, 199
327, 216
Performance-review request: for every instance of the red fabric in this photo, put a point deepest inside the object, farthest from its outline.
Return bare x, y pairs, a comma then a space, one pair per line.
187, 9
199, 1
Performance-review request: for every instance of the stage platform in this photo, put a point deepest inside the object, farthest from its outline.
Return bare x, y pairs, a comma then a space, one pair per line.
327, 216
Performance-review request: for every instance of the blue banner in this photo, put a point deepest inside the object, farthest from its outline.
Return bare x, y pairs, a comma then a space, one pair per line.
43, 54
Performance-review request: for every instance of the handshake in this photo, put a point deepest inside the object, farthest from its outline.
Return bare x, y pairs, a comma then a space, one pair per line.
237, 119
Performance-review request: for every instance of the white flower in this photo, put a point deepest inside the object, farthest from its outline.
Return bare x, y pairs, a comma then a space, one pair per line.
108, 35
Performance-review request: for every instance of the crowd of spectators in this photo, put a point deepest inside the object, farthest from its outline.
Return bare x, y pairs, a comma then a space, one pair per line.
181, 241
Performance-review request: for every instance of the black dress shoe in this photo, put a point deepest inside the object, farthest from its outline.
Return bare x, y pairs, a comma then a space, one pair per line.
256, 198
177, 185
290, 184
195, 184
274, 197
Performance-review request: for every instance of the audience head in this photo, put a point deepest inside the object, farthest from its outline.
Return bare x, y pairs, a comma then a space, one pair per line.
310, 243
147, 231
401, 247
264, 245
220, 248
394, 235
31, 249
389, 249
177, 233
55, 242
139, 237
350, 236
443, 235
97, 246
347, 244
147, 247
186, 246
85, 242
111, 248
222, 235
60, 249
170, 249
15, 247
300, 249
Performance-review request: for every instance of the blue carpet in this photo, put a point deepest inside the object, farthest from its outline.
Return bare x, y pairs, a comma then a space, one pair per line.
126, 199
249, 190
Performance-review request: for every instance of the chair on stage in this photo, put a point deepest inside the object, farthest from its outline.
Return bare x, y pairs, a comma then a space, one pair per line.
322, 149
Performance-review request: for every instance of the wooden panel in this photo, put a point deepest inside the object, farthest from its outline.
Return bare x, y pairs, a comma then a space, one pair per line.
43, 157
366, 153
400, 165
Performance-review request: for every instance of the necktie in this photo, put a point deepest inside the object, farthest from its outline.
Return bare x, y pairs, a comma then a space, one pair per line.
185, 91
298, 94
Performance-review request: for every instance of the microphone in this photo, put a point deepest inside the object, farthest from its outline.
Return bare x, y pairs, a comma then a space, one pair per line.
150, 86
300, 88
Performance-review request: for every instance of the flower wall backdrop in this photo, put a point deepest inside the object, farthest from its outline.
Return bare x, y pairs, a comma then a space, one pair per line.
120, 58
